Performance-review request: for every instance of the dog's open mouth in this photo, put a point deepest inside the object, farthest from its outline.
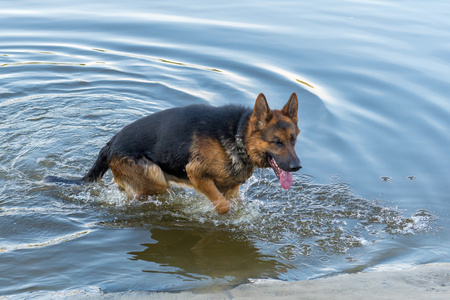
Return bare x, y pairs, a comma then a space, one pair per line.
284, 176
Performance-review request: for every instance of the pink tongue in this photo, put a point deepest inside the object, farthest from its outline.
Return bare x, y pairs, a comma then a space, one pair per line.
285, 179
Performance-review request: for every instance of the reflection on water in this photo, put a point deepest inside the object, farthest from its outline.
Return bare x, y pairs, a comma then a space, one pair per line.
207, 253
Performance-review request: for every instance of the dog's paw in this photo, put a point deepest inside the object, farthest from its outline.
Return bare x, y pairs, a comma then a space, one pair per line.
222, 207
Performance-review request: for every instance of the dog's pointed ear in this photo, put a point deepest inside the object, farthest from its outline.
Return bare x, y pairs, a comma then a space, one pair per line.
291, 108
261, 112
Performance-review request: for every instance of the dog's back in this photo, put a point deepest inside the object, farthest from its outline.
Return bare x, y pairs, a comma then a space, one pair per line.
165, 137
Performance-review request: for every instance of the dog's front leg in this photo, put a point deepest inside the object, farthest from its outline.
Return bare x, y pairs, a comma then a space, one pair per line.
209, 189
232, 193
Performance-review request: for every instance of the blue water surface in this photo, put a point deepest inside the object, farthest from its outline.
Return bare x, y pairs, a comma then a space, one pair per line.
373, 194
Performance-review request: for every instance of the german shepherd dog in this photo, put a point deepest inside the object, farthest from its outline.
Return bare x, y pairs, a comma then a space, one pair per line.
213, 149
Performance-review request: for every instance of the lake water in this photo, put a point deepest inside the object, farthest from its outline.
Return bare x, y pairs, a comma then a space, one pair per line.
374, 193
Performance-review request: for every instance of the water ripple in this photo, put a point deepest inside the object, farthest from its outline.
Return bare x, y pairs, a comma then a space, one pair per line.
47, 243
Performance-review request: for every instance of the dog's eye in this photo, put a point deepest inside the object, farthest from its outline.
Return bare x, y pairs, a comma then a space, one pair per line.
278, 143
293, 141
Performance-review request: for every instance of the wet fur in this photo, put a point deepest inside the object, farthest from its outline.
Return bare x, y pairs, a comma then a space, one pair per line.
197, 146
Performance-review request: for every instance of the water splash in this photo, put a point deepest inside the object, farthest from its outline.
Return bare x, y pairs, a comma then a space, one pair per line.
309, 218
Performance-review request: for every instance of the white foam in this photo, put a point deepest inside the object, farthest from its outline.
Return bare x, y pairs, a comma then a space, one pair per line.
50, 242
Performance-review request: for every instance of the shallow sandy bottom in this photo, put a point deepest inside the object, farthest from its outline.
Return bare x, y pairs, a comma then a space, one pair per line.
422, 282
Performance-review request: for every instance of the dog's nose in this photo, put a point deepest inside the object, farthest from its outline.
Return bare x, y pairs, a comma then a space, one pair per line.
295, 166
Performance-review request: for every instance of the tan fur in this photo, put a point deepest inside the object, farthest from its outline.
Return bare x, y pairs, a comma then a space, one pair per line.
138, 178
210, 171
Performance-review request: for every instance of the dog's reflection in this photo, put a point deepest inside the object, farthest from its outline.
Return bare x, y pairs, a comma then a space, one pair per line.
203, 253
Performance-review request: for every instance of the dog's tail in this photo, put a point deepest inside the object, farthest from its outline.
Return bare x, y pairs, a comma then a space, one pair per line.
95, 173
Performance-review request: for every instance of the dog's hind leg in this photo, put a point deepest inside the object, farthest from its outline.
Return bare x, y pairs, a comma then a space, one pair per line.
138, 178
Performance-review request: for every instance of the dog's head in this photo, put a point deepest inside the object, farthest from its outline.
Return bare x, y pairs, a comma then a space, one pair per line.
271, 138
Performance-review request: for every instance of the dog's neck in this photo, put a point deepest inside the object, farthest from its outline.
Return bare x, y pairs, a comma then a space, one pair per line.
239, 137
